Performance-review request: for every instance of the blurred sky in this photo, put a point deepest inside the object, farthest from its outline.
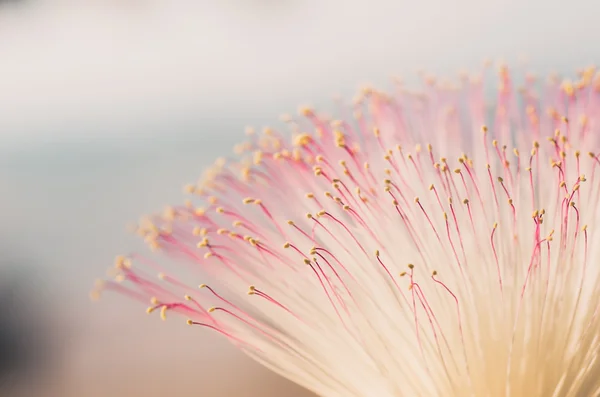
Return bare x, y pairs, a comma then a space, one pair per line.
113, 67
107, 107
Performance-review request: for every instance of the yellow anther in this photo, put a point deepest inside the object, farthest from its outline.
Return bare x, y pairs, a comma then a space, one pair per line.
208, 255
119, 262
305, 111
302, 139
258, 157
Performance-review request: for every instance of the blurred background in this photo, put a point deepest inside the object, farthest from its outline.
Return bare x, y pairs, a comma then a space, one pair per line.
107, 107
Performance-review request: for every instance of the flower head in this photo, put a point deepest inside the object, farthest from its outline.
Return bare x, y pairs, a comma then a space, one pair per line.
404, 250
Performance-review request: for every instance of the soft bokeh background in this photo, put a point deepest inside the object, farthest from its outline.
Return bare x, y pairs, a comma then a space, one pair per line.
107, 107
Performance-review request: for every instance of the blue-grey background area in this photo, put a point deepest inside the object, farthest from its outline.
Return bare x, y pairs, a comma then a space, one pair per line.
108, 107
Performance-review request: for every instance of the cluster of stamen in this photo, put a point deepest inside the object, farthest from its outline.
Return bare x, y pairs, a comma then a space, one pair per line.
405, 251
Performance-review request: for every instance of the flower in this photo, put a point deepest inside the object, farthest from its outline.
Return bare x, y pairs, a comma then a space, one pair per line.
404, 250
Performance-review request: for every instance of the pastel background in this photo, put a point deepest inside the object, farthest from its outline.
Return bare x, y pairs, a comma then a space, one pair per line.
107, 107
